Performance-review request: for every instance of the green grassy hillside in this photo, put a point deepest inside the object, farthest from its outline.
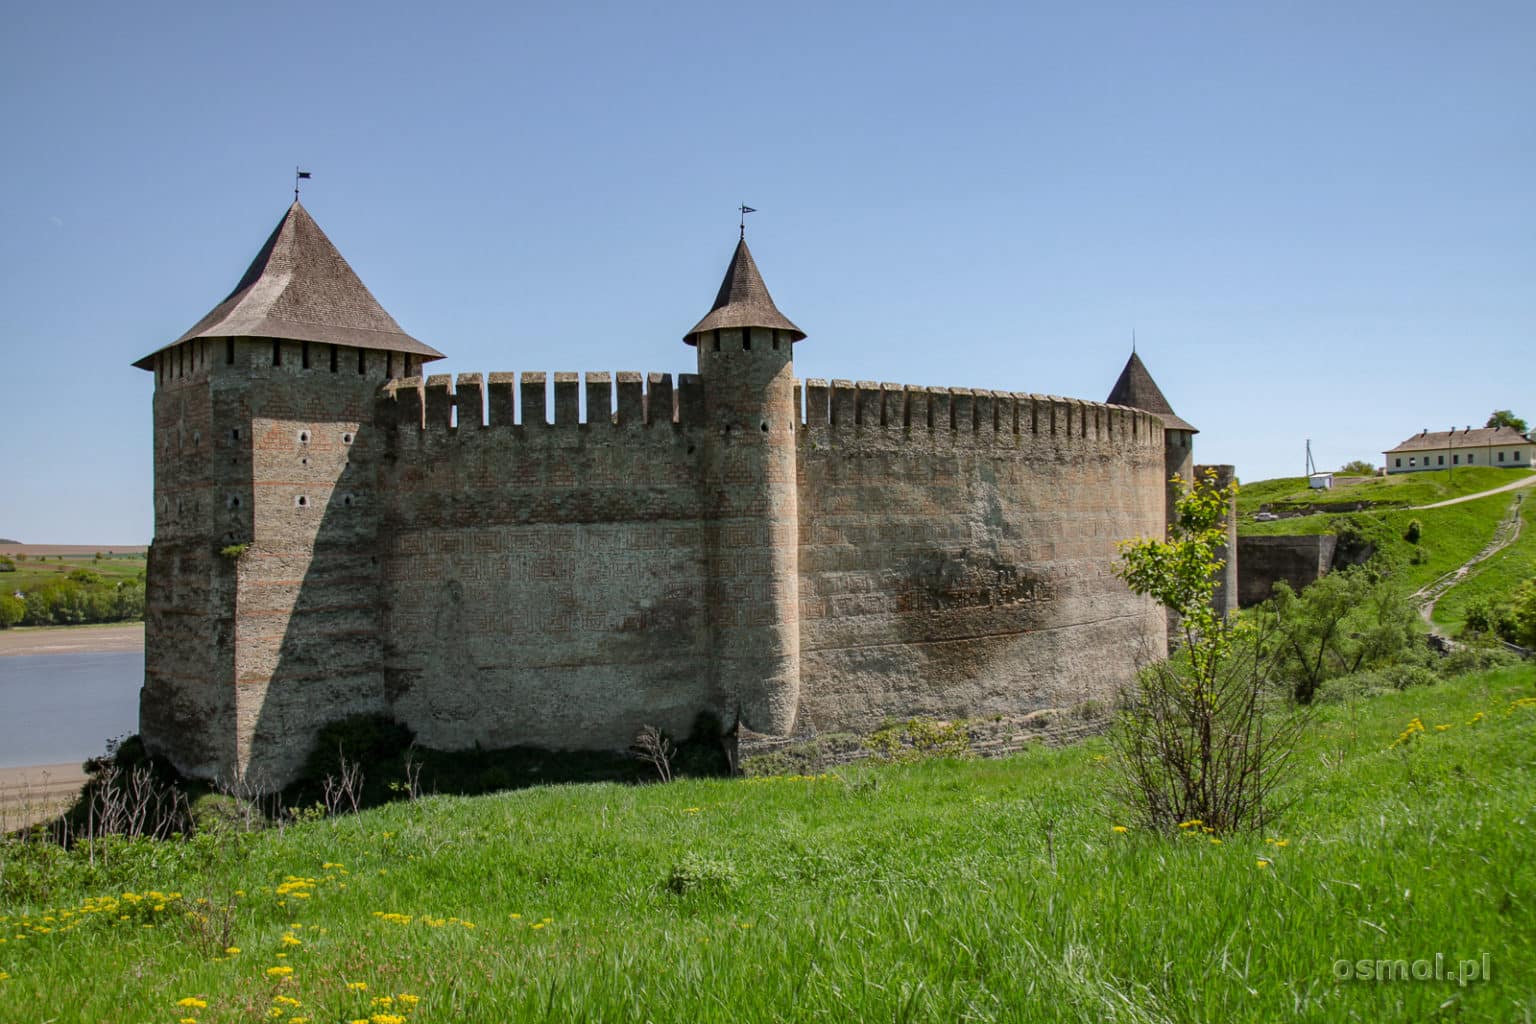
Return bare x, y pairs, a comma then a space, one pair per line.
942, 891
1495, 579
1401, 490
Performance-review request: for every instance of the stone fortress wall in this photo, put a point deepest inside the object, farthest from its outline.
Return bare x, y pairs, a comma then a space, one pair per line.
337, 533
546, 583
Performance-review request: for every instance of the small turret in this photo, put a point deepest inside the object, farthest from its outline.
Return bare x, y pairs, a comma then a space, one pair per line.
1138, 390
749, 489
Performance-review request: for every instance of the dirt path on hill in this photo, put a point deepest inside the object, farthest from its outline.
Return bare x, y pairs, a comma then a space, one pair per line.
1504, 535
1525, 481
125, 636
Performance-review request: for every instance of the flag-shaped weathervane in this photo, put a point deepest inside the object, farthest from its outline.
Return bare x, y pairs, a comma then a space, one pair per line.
298, 176
745, 209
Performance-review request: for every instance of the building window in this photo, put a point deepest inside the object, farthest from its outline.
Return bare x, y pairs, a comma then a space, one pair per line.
1455, 460
1471, 458
229, 351
333, 358
362, 360
1501, 456
1399, 462
1412, 463
1439, 460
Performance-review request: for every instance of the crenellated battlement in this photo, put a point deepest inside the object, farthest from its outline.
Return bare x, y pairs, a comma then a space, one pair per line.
847, 409
623, 399
841, 408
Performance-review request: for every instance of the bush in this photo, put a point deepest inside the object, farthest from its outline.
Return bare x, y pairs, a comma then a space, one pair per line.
1414, 532
918, 739
696, 873
12, 611
7, 564
1357, 467
1486, 617
1524, 615
1198, 737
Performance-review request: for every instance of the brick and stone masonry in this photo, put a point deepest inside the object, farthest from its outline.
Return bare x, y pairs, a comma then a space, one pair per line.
336, 533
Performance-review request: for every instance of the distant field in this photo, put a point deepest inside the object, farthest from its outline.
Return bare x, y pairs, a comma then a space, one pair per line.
60, 560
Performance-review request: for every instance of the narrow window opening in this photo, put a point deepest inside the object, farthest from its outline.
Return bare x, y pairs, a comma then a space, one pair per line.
229, 351
304, 353
181, 360
234, 501
333, 358
775, 339
301, 501
717, 341
362, 360
303, 437
746, 339
765, 426
346, 438
389, 366
277, 352
346, 500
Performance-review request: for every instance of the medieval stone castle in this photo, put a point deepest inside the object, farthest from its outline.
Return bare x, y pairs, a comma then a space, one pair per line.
335, 534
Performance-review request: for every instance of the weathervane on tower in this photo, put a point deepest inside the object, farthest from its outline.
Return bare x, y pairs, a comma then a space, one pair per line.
298, 176
745, 209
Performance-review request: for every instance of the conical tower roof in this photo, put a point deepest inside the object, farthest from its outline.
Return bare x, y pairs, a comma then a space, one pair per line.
300, 288
1137, 389
743, 301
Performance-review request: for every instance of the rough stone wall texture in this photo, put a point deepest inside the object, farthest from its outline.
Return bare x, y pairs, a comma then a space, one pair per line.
288, 635
544, 584
1263, 561
956, 552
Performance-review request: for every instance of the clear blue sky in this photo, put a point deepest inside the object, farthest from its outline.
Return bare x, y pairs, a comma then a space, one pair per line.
1319, 218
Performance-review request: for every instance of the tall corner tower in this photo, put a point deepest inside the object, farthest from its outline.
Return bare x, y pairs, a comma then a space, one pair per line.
1138, 390
261, 619
746, 363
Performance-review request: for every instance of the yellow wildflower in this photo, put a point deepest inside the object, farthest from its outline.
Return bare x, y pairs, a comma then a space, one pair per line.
382, 1001
232, 950
357, 986
1263, 863
186, 1020
292, 940
1441, 728
408, 999
1119, 828
1215, 840
1191, 823
286, 1001
279, 972
387, 1018
194, 1002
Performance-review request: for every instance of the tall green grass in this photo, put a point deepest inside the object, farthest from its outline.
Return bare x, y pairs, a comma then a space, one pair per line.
1495, 579
943, 891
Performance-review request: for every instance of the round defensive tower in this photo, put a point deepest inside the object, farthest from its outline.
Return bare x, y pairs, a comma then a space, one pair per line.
746, 363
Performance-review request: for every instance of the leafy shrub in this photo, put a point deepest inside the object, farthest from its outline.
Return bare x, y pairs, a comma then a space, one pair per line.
7, 564
1475, 657
696, 873
1357, 467
1414, 532
12, 611
1524, 615
1488, 617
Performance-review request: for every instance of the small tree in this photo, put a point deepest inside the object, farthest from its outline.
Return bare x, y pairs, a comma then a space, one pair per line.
1193, 739
1357, 467
1505, 418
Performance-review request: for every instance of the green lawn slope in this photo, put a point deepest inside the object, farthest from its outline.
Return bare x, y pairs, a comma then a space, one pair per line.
943, 891
1400, 490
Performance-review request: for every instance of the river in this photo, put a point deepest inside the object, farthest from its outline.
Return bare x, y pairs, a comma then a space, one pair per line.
56, 708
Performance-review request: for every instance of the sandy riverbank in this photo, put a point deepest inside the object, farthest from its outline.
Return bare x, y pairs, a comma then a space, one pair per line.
37, 793
126, 636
